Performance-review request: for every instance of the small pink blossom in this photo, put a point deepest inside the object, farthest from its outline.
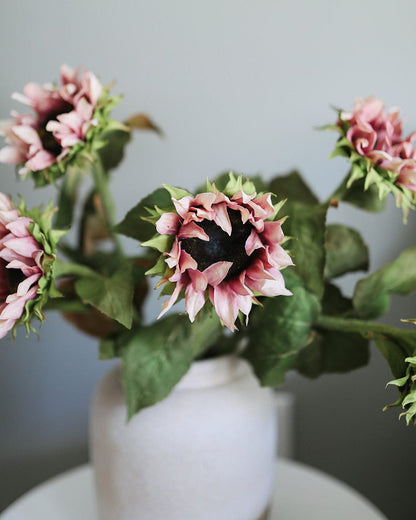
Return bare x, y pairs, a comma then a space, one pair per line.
226, 249
372, 129
20, 265
62, 117
377, 135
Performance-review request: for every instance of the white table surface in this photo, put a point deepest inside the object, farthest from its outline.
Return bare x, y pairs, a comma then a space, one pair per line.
301, 492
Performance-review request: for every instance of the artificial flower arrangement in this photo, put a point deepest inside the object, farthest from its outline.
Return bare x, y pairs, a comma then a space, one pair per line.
254, 260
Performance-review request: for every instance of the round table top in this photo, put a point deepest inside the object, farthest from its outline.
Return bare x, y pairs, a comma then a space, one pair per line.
300, 492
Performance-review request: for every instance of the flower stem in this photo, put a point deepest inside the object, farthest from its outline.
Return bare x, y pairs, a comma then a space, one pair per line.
101, 185
339, 192
367, 328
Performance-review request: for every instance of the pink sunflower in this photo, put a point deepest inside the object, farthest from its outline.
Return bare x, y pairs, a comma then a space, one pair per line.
226, 248
20, 265
62, 117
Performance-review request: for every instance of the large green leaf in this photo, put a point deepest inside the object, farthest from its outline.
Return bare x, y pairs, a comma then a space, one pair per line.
279, 330
306, 226
156, 357
110, 295
331, 350
112, 152
393, 352
345, 251
293, 188
133, 224
365, 199
372, 294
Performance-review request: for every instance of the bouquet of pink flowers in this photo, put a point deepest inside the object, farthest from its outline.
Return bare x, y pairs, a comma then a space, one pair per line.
254, 261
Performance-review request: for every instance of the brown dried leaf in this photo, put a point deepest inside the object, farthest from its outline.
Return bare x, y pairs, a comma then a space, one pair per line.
143, 122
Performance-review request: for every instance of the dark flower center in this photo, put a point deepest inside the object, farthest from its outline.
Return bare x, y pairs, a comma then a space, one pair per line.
49, 143
10, 280
221, 246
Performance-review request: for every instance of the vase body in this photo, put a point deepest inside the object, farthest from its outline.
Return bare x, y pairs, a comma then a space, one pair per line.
206, 452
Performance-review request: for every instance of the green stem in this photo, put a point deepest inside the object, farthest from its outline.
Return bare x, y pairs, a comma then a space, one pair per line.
101, 185
340, 191
369, 328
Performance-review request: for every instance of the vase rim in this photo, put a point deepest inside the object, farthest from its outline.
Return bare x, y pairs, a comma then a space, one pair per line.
212, 372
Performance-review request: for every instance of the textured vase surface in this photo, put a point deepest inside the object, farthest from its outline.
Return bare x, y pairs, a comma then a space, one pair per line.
206, 452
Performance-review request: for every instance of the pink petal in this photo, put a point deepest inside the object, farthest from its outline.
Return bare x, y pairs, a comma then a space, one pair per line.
21, 98
5, 326
11, 155
268, 287
262, 206
26, 246
25, 285
253, 242
168, 224
16, 305
84, 109
167, 304
39, 161
216, 273
19, 227
272, 233
5, 203
182, 205
92, 86
198, 279
194, 301
222, 218
278, 257
28, 135
192, 230
225, 304
186, 262
72, 119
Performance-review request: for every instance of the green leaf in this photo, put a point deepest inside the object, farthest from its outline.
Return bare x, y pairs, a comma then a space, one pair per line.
154, 360
110, 295
279, 331
371, 296
306, 224
395, 349
71, 269
133, 224
294, 188
345, 251
331, 350
356, 195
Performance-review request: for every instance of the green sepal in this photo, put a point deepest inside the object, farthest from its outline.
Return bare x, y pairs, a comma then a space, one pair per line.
407, 387
176, 193
161, 243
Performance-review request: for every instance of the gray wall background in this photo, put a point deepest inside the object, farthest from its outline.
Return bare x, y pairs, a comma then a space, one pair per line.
235, 85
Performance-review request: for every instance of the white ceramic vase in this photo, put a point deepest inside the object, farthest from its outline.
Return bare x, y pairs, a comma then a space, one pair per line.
207, 452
